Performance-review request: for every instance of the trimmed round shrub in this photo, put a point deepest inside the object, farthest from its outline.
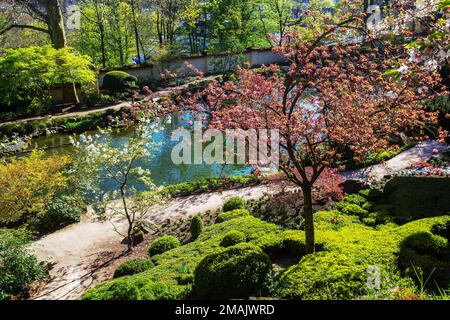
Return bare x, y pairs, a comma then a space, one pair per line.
119, 82
354, 210
239, 271
232, 238
133, 266
163, 244
238, 213
233, 203
196, 226
116, 290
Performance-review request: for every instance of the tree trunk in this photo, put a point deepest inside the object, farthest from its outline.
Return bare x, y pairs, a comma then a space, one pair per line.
309, 220
55, 23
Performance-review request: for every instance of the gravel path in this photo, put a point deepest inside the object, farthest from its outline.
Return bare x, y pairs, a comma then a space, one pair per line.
81, 249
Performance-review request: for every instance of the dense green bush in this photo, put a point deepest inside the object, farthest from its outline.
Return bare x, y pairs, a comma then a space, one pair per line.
61, 211
232, 238
224, 216
18, 268
411, 198
372, 194
354, 210
163, 244
172, 277
339, 271
133, 266
28, 74
119, 83
239, 271
425, 254
196, 226
233, 203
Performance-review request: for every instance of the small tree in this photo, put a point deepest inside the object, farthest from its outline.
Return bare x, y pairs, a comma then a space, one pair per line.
99, 159
333, 98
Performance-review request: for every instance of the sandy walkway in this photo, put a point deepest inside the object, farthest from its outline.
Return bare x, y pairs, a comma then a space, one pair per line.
420, 152
80, 250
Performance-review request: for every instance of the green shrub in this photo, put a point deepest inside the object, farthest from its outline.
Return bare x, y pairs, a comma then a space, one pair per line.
339, 271
119, 82
172, 277
118, 290
442, 229
239, 271
225, 216
233, 203
133, 266
372, 194
426, 254
196, 226
354, 210
18, 268
163, 244
411, 198
61, 211
232, 238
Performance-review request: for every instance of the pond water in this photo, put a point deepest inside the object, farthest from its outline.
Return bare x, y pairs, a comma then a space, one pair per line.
163, 170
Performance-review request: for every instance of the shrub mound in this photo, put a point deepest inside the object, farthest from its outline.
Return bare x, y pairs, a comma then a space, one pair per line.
225, 216
411, 198
233, 203
163, 244
232, 238
133, 266
119, 82
196, 226
239, 271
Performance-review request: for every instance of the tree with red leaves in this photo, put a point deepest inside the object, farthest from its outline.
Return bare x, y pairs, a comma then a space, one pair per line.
332, 98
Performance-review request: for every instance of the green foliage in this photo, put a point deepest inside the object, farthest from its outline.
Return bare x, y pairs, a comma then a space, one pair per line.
225, 216
339, 271
174, 269
196, 226
210, 184
28, 185
119, 83
410, 198
27, 74
61, 211
18, 268
232, 238
163, 244
354, 210
233, 203
239, 271
371, 194
133, 266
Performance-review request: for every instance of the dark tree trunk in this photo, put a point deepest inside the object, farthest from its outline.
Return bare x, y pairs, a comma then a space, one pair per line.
309, 220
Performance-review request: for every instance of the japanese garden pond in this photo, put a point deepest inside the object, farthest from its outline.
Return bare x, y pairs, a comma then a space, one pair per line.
163, 170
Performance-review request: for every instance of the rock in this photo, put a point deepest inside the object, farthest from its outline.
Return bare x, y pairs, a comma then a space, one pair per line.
354, 186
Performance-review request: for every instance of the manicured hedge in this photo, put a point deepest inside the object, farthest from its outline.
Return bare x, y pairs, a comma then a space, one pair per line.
411, 198
233, 203
119, 82
163, 244
225, 216
232, 238
196, 226
239, 271
133, 266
